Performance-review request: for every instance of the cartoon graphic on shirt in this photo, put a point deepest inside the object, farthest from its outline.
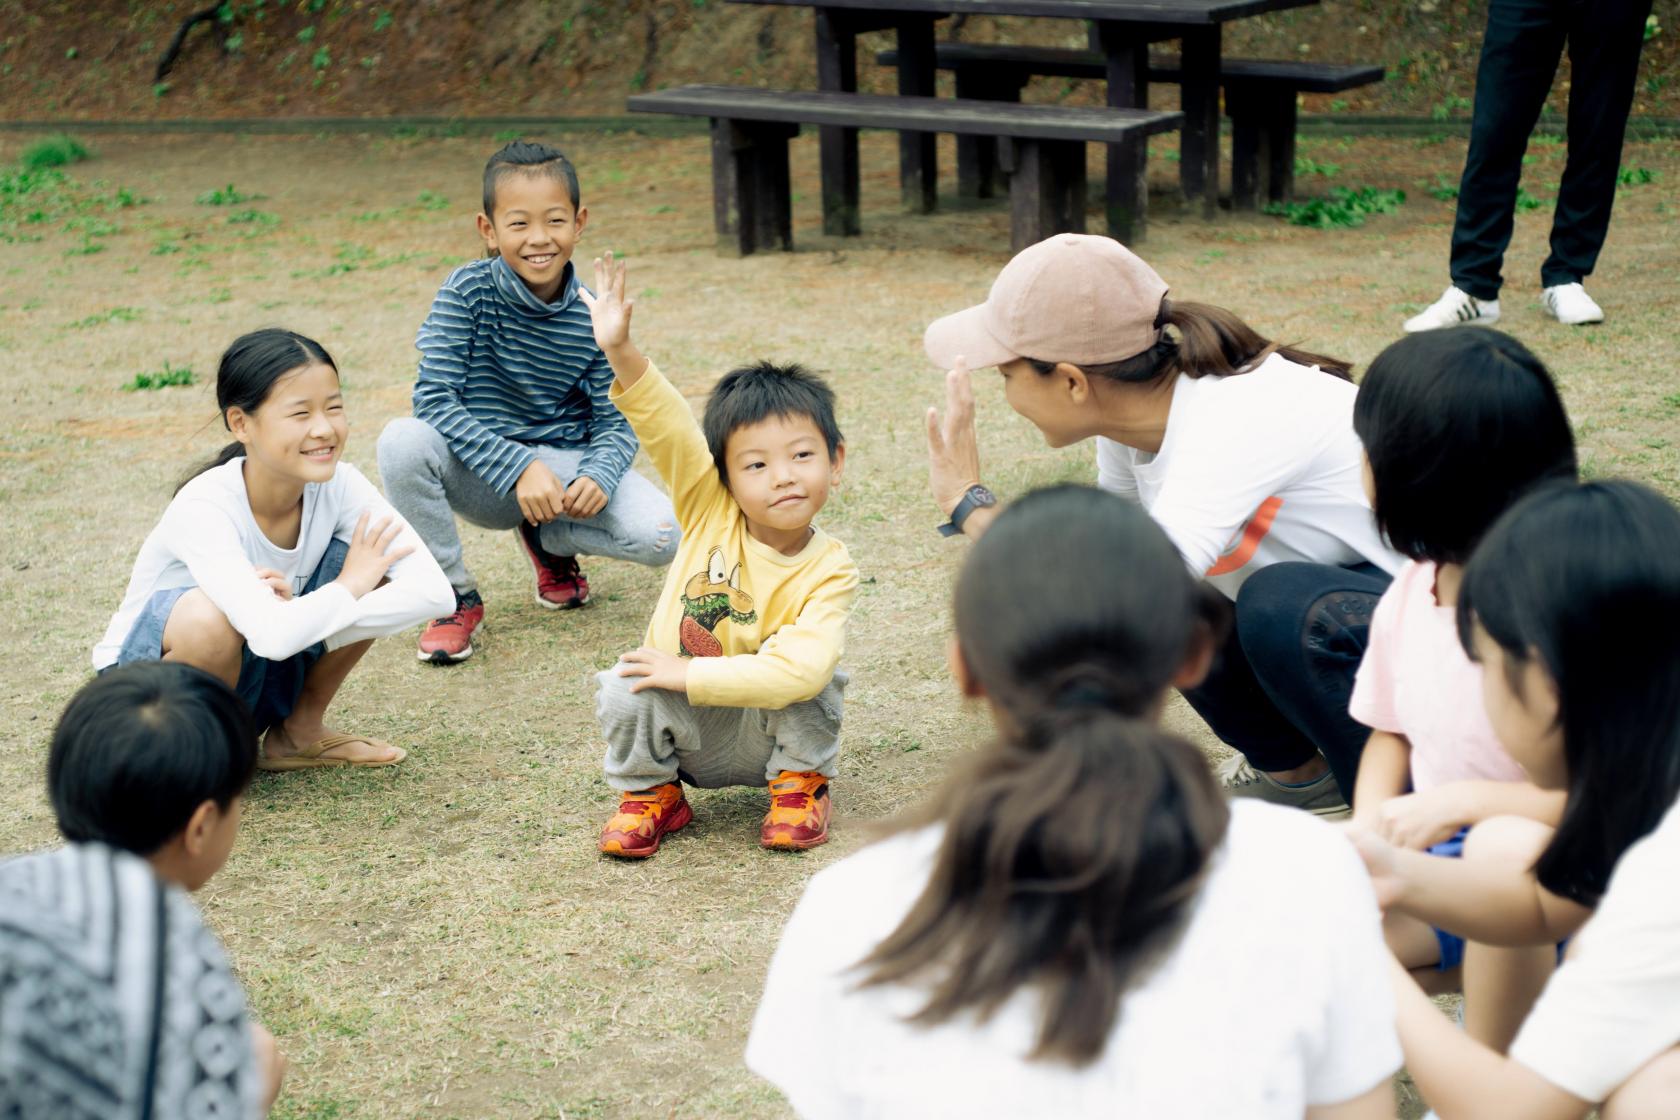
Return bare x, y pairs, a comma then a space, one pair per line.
708, 598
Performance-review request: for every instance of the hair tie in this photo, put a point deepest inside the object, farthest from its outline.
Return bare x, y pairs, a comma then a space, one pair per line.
1084, 694
1164, 315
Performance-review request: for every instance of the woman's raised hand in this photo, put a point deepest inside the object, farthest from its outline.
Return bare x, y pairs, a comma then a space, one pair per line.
371, 554
609, 311
953, 451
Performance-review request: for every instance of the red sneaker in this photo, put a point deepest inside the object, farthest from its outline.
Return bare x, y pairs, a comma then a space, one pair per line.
449, 639
643, 817
799, 810
561, 584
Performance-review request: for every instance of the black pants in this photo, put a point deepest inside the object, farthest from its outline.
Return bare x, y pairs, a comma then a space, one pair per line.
1525, 39
1279, 688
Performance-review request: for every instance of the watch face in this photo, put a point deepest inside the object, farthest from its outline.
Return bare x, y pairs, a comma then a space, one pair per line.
982, 496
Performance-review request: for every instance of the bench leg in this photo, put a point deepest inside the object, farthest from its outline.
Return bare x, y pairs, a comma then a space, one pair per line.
1126, 189
978, 173
837, 70
751, 198
1262, 146
918, 159
1046, 191
1198, 166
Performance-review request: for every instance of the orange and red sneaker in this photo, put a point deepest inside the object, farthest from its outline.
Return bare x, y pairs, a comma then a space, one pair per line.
799, 809
643, 817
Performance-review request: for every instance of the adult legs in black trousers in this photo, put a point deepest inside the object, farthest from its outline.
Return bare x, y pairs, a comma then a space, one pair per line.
1525, 39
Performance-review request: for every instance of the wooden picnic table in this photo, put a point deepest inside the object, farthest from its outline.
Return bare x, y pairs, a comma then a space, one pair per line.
1122, 30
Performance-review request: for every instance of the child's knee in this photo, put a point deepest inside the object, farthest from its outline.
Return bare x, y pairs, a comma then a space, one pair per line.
1650, 1093
197, 629
1511, 841
404, 447
616, 707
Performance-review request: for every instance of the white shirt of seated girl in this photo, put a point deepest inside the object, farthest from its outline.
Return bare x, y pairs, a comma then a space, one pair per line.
1275, 998
208, 538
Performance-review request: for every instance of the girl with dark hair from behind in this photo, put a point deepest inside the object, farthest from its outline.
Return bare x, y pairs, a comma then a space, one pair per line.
276, 564
1571, 604
1457, 426
1052, 935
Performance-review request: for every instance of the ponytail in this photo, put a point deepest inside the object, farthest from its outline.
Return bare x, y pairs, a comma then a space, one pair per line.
1072, 853
1211, 342
248, 371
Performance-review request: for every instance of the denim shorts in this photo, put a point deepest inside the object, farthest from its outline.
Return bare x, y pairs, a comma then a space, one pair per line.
270, 689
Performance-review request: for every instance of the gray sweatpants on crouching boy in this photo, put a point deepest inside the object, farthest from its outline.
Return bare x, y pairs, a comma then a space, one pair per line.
428, 485
656, 736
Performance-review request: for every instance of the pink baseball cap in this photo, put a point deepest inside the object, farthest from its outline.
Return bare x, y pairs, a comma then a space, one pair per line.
1074, 298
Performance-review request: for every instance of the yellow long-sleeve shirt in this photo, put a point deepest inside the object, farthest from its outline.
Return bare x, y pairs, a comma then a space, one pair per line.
765, 630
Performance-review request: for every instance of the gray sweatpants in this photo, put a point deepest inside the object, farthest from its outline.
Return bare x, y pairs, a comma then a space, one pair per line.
428, 485
656, 736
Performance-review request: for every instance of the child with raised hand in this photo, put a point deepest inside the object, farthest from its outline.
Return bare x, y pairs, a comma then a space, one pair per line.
1054, 934
120, 1003
737, 680
276, 565
512, 428
1456, 425
1571, 604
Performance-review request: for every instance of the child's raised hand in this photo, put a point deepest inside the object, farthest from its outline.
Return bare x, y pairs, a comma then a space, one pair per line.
609, 310
656, 668
371, 554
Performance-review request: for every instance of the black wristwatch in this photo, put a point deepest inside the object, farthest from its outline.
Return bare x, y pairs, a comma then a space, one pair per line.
975, 497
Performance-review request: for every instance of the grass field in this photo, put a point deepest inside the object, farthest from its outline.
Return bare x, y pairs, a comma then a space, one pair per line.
441, 939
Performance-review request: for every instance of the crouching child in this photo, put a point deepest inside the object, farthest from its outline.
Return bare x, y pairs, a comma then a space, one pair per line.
737, 679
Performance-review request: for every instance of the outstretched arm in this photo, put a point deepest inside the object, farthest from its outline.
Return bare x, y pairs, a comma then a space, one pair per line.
954, 450
610, 311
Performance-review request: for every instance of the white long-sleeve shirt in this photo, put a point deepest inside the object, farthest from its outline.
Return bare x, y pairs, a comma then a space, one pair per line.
209, 539
1255, 468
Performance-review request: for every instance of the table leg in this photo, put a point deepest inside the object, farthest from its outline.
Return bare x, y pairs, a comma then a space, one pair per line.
837, 70
1127, 192
1199, 156
918, 161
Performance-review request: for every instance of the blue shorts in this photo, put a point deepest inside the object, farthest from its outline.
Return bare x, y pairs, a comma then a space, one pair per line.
270, 689
1452, 945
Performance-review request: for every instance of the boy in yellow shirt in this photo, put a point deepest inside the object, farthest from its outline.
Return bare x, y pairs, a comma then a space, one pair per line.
737, 680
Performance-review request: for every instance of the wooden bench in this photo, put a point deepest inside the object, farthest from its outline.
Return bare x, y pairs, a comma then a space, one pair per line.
1259, 98
1045, 150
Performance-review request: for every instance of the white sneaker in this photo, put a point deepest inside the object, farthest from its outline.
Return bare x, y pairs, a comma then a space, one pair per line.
1321, 797
1570, 305
1455, 308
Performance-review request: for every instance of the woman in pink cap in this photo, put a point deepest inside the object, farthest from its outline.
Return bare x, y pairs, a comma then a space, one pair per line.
1241, 449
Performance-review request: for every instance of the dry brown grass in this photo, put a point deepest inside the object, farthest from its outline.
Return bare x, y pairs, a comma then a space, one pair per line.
441, 940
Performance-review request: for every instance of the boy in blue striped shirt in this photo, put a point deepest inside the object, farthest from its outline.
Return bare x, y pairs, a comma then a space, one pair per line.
512, 427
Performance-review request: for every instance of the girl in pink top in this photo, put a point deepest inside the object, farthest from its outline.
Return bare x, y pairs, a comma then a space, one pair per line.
1456, 425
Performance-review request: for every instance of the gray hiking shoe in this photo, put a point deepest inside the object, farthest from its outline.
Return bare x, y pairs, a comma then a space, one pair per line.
1321, 797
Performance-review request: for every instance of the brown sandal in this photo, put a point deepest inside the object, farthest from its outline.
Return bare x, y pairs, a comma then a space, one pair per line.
309, 758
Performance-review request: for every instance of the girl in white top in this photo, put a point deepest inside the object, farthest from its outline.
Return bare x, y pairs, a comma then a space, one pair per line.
1054, 935
1241, 449
1457, 425
275, 566
1571, 604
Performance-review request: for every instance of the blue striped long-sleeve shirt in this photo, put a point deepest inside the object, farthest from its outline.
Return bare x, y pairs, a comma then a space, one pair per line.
500, 369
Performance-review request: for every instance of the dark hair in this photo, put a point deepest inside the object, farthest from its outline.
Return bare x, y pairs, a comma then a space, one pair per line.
1457, 425
1587, 579
141, 747
1211, 342
1075, 843
527, 158
755, 393
248, 372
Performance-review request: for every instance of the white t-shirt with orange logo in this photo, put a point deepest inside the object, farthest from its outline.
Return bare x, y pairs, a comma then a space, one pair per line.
1255, 468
